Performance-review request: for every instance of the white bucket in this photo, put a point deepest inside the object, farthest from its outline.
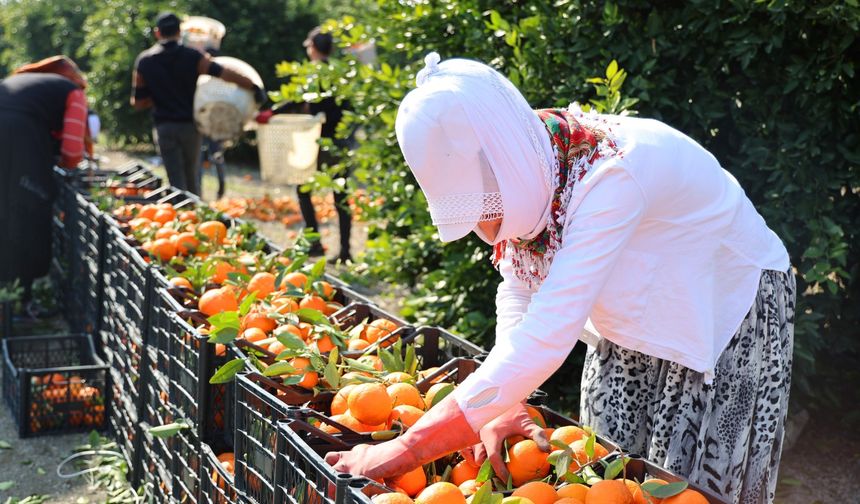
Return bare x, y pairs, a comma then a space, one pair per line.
288, 147
221, 108
202, 33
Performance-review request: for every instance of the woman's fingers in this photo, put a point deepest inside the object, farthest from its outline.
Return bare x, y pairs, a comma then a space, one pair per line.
538, 435
332, 458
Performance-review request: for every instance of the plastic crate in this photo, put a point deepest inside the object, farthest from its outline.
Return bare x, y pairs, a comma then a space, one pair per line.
302, 475
256, 433
185, 466
153, 472
54, 384
124, 353
85, 274
217, 485
640, 469
126, 287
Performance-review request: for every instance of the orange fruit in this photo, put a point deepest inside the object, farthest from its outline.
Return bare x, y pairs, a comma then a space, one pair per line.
215, 231
326, 288
260, 320
569, 500
166, 232
179, 281
147, 211
310, 378
537, 492
164, 214
574, 491
405, 414
371, 360
404, 393
578, 448
186, 243
609, 492
441, 493
338, 403
290, 328
296, 278
305, 329
398, 377
349, 422
187, 216
379, 328
216, 301
313, 303
392, 498
276, 348
262, 283
636, 492
253, 335
469, 487
222, 269
432, 391
688, 496
527, 462
323, 343
356, 344
163, 249
568, 434
536, 416
463, 471
412, 482
139, 223
285, 305
369, 403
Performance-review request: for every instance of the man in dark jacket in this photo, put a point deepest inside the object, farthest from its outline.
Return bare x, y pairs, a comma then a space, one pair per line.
165, 78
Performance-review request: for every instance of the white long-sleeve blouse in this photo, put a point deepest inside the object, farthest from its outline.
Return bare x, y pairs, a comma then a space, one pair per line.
661, 253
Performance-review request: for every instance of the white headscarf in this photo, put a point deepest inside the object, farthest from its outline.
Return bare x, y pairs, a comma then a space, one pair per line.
463, 118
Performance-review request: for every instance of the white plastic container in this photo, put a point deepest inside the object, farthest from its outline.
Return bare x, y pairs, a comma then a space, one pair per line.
221, 108
288, 147
202, 33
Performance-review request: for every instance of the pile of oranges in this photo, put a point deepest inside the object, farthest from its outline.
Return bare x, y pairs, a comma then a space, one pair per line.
82, 404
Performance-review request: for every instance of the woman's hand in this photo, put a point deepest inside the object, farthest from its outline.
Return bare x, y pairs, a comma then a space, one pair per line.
515, 421
442, 430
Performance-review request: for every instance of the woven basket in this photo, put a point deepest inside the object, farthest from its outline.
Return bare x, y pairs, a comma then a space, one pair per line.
288, 147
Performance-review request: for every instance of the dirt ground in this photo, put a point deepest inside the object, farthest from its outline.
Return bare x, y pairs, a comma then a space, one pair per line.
820, 467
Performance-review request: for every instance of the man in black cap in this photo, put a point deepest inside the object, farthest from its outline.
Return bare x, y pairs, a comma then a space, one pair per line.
165, 78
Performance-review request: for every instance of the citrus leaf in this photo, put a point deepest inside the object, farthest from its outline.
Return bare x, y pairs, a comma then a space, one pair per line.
563, 465
223, 335
573, 478
485, 472
355, 365
312, 316
228, 371
389, 361
171, 429
290, 340
5, 445
589, 446
279, 368
317, 270
293, 379
443, 392
669, 490
6, 485
246, 303
560, 444
614, 468
483, 493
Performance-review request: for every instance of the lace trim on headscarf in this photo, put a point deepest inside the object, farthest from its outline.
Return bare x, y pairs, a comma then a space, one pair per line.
577, 149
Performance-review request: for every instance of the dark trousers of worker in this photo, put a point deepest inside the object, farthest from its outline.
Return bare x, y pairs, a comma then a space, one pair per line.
344, 218
179, 146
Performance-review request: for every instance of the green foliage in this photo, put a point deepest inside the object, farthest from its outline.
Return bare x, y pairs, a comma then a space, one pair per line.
32, 30
766, 86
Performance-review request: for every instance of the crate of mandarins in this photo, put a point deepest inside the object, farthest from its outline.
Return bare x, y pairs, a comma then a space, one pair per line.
217, 485
530, 469
358, 399
54, 384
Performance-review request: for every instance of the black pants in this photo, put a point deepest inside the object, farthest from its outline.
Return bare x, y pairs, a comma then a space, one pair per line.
179, 146
344, 218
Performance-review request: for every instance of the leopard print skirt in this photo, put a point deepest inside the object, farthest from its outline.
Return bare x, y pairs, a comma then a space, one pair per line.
726, 436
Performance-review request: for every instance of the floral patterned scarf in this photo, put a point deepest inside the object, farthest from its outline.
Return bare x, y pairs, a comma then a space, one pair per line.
576, 149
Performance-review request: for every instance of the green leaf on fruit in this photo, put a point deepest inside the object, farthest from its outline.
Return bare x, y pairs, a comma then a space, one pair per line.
228, 371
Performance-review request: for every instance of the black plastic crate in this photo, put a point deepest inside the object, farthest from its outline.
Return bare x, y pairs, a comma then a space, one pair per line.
256, 437
302, 475
124, 352
191, 361
122, 422
54, 384
217, 484
85, 275
185, 466
154, 470
126, 277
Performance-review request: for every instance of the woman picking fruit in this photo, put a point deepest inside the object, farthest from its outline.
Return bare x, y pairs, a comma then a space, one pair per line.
624, 231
